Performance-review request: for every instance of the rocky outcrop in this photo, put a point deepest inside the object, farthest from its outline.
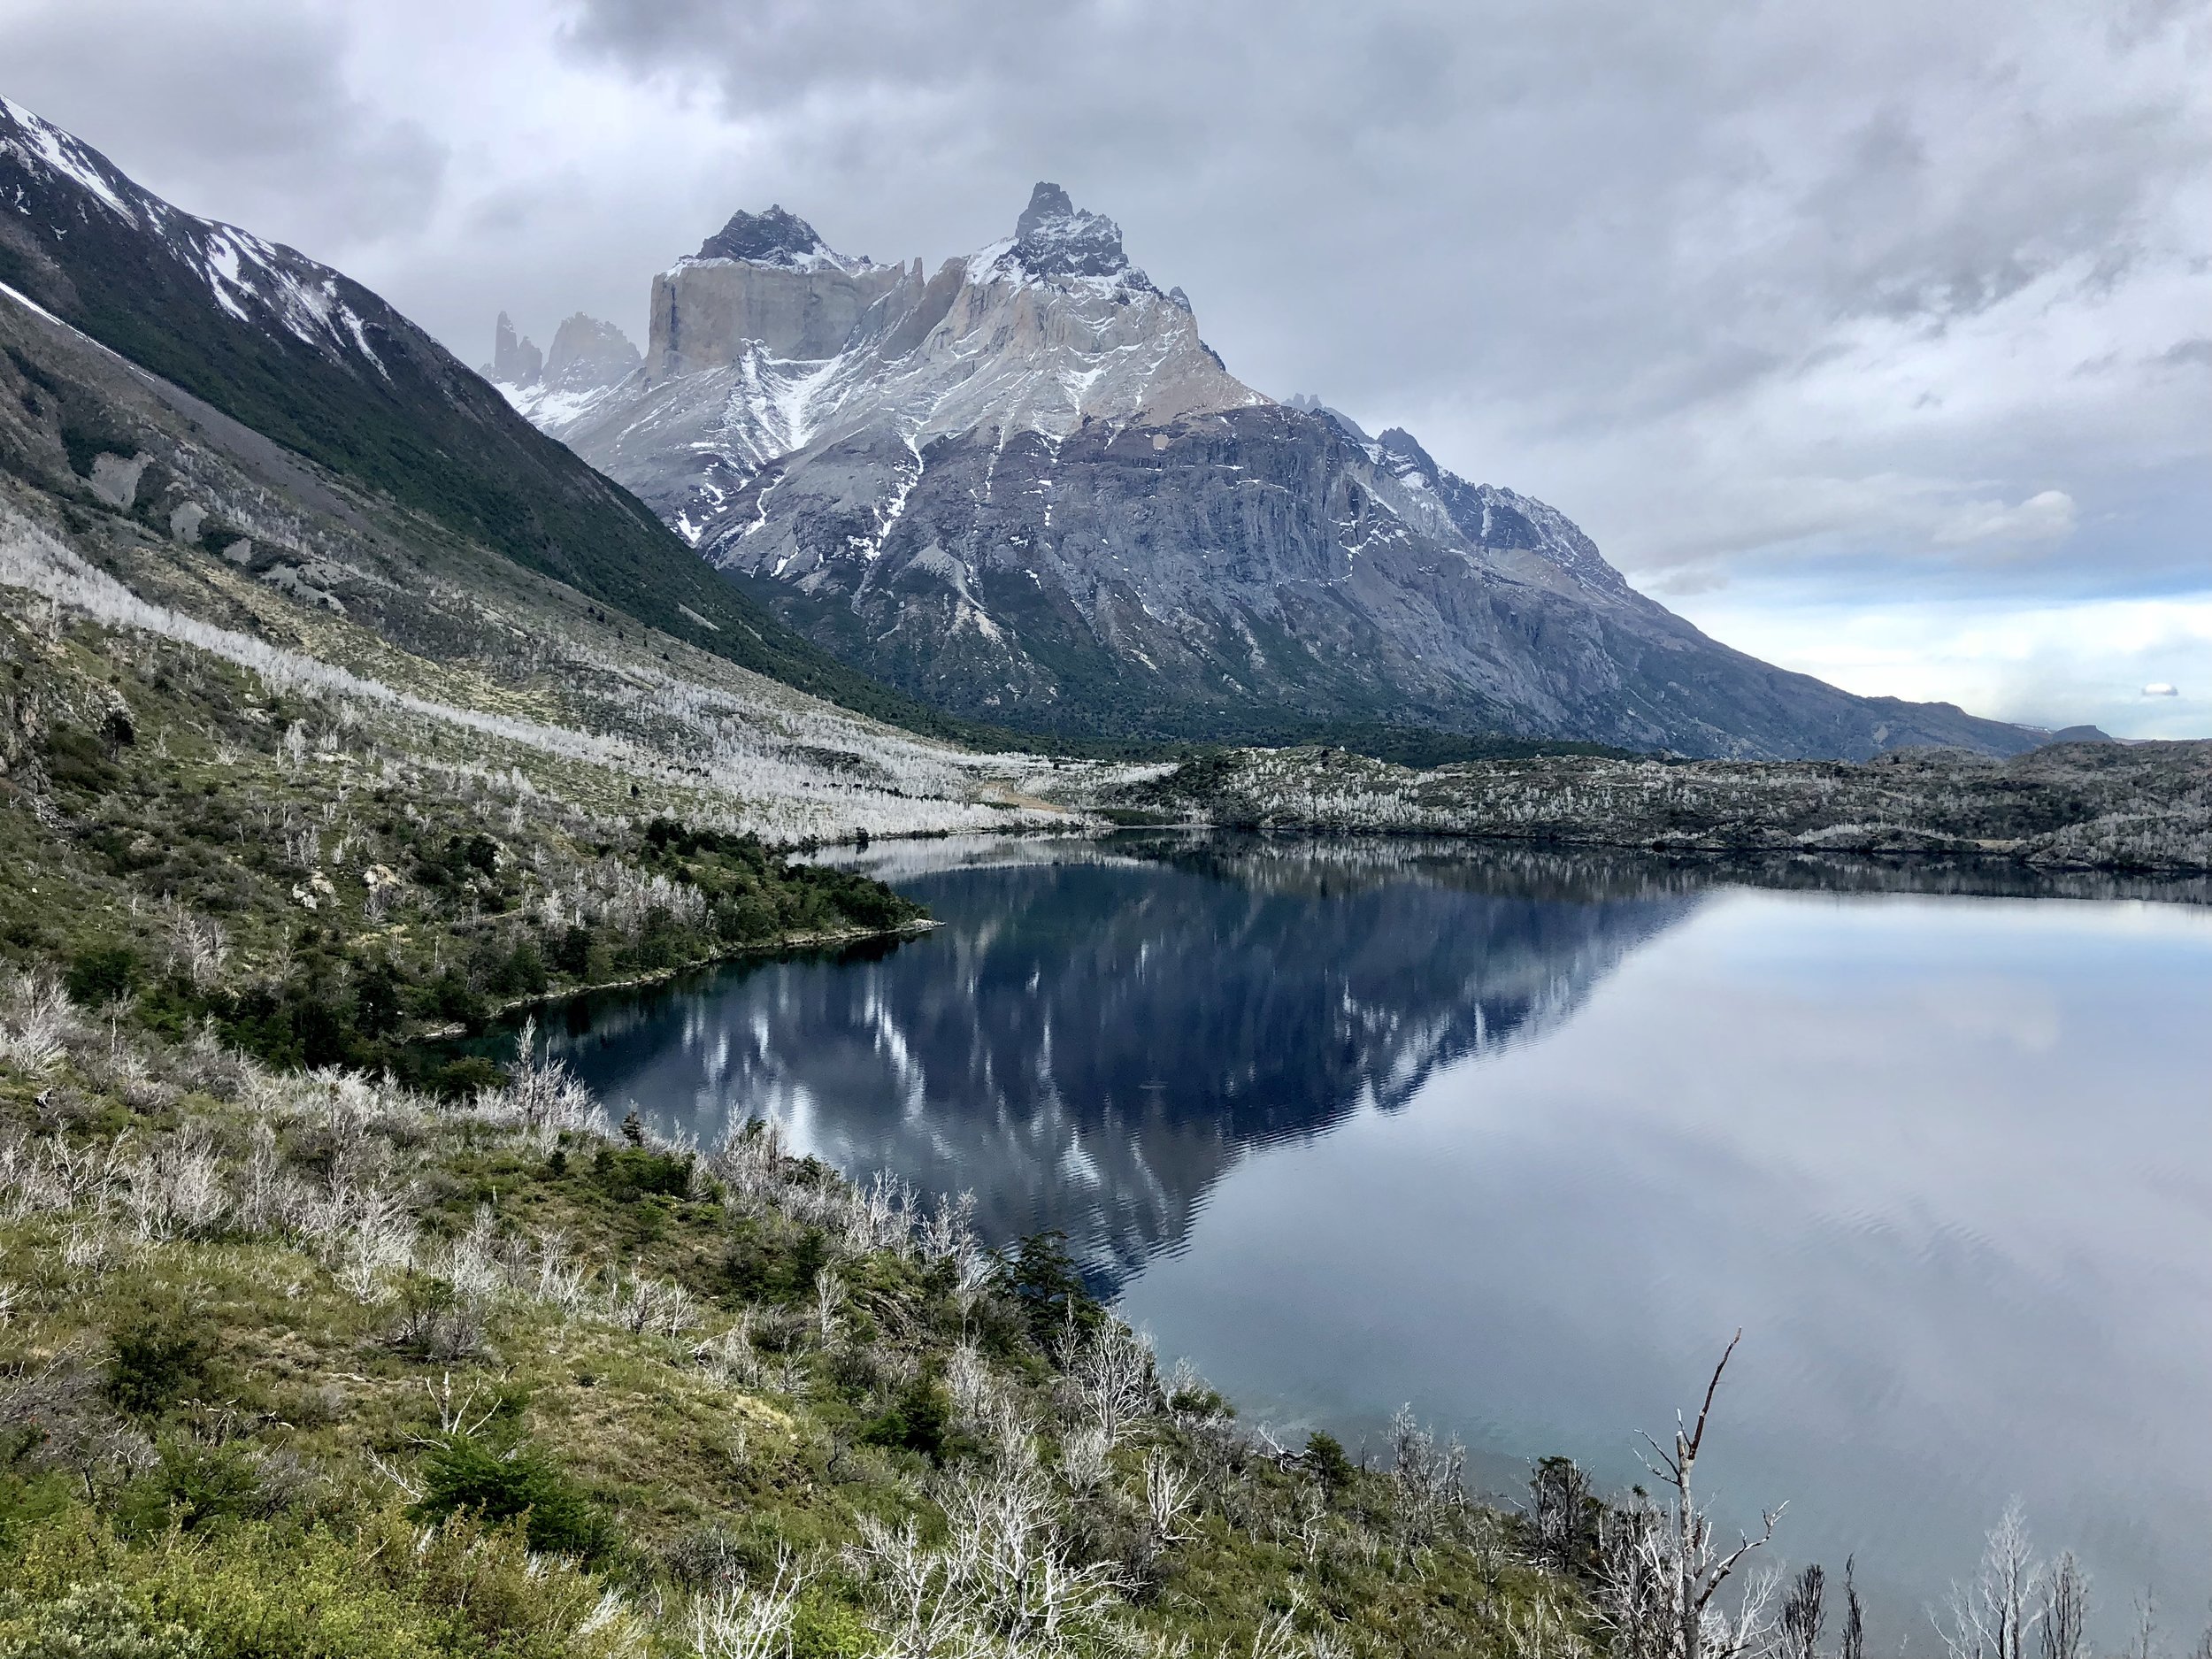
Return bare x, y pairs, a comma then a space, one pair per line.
775, 238
764, 282
1054, 238
587, 356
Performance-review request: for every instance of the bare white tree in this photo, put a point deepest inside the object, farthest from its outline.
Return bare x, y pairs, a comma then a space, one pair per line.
653, 1306
740, 1621
1664, 1571
197, 945
2062, 1632
1004, 1580
1114, 1381
269, 1194
1431, 1477
542, 1097
176, 1190
1804, 1613
1993, 1617
829, 1298
2145, 1643
1086, 1459
1170, 1495
37, 1022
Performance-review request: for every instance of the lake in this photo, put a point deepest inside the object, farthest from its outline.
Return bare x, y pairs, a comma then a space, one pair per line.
1521, 1137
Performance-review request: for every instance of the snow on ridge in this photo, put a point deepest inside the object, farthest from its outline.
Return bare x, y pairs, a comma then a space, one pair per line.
63, 153
239, 269
552, 412
301, 293
783, 259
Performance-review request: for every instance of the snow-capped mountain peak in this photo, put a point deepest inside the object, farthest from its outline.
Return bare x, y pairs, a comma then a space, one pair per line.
770, 345
780, 239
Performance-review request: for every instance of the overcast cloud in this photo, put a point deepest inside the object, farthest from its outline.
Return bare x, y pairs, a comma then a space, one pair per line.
1876, 337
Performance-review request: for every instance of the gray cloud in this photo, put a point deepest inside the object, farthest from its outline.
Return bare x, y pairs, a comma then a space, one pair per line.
236, 111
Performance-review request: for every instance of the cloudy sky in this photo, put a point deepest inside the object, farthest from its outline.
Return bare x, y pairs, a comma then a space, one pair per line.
1876, 337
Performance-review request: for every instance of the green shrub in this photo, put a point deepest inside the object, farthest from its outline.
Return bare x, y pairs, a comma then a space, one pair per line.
99, 977
919, 1420
476, 1475
634, 1173
572, 955
824, 1628
191, 1485
100, 1621
452, 997
376, 1000
1326, 1462
1041, 1276
524, 971
76, 759
159, 1359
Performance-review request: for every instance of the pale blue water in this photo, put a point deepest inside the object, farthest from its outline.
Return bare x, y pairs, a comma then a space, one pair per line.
1521, 1139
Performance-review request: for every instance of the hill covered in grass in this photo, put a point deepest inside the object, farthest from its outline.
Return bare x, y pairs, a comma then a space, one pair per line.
308, 1363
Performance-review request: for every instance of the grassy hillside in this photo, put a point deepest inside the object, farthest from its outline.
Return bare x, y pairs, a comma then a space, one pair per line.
312, 1364
211, 853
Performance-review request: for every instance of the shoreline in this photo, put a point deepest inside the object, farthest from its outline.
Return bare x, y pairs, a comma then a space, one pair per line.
2145, 809
2005, 852
660, 975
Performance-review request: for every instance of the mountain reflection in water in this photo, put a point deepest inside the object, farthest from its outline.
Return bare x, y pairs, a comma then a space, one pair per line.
1097, 1033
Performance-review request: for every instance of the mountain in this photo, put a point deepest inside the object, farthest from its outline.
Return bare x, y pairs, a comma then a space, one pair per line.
1024, 490
309, 359
209, 625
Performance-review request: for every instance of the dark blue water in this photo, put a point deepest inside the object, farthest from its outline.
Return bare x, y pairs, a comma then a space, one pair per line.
1522, 1138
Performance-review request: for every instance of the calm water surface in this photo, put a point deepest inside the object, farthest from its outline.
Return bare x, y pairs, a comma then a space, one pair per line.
1522, 1138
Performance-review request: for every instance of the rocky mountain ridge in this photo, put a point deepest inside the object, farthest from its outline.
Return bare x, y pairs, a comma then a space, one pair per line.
1024, 490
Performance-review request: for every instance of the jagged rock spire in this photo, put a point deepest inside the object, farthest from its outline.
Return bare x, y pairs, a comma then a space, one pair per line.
515, 362
1053, 237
